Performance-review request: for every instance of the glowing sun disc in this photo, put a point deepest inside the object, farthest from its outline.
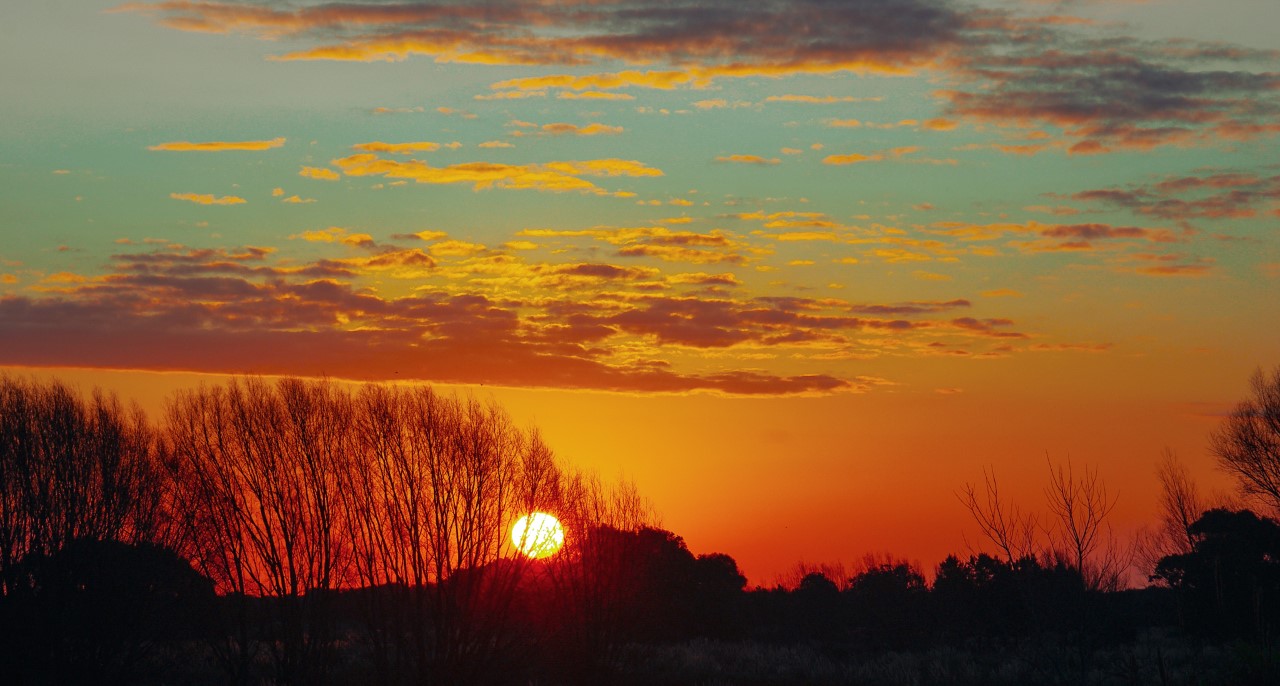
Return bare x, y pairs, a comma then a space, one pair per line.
537, 535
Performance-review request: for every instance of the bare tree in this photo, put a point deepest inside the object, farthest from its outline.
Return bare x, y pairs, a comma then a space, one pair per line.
1074, 533
432, 485
1247, 444
256, 472
1180, 505
72, 469
1080, 534
1007, 527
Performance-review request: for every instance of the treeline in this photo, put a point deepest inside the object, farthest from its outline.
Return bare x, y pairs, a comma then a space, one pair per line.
304, 532
292, 528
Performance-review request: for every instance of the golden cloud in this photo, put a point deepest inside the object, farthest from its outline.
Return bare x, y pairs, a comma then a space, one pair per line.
208, 199
397, 148
319, 173
552, 176
851, 158
594, 129
218, 146
748, 159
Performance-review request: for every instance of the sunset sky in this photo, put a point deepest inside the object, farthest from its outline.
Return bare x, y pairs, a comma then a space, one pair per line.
799, 268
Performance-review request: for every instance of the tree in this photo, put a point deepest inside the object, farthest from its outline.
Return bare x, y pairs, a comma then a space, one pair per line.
1080, 505
1230, 579
256, 469
73, 469
1247, 444
1074, 533
1002, 523
1180, 506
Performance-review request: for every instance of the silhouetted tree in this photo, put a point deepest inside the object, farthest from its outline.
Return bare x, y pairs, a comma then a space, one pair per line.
1180, 505
1230, 580
256, 470
93, 611
1081, 536
1075, 533
887, 602
1003, 523
73, 469
1247, 444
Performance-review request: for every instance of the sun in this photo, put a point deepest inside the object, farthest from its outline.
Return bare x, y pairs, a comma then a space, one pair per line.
537, 535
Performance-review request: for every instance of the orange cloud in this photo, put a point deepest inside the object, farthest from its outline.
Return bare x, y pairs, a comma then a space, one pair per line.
397, 148
319, 173
511, 95
817, 99
664, 80
336, 234
207, 199
594, 129
218, 146
552, 176
749, 159
851, 158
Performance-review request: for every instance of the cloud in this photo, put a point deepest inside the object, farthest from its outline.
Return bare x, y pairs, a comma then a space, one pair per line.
594, 129
817, 99
421, 235
749, 159
1117, 93
399, 110
1220, 195
851, 158
397, 148
550, 176
218, 146
319, 173
472, 315
208, 199
336, 234
495, 144
660, 242
663, 80
1171, 264
721, 38
511, 95
590, 95
1100, 94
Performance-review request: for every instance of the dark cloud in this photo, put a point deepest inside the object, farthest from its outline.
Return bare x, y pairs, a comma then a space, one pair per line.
1102, 94
1224, 195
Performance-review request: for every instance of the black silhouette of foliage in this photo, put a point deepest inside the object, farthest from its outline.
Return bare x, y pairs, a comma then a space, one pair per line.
73, 469
1230, 581
94, 611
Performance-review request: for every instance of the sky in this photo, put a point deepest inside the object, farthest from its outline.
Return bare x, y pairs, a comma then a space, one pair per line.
800, 269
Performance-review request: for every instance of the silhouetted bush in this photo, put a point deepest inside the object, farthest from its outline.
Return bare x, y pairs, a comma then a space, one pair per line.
95, 611
1229, 584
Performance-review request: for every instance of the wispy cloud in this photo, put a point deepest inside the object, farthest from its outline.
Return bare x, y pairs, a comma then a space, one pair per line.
208, 199
218, 146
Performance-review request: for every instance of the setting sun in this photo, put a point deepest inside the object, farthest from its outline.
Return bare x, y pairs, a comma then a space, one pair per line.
537, 535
